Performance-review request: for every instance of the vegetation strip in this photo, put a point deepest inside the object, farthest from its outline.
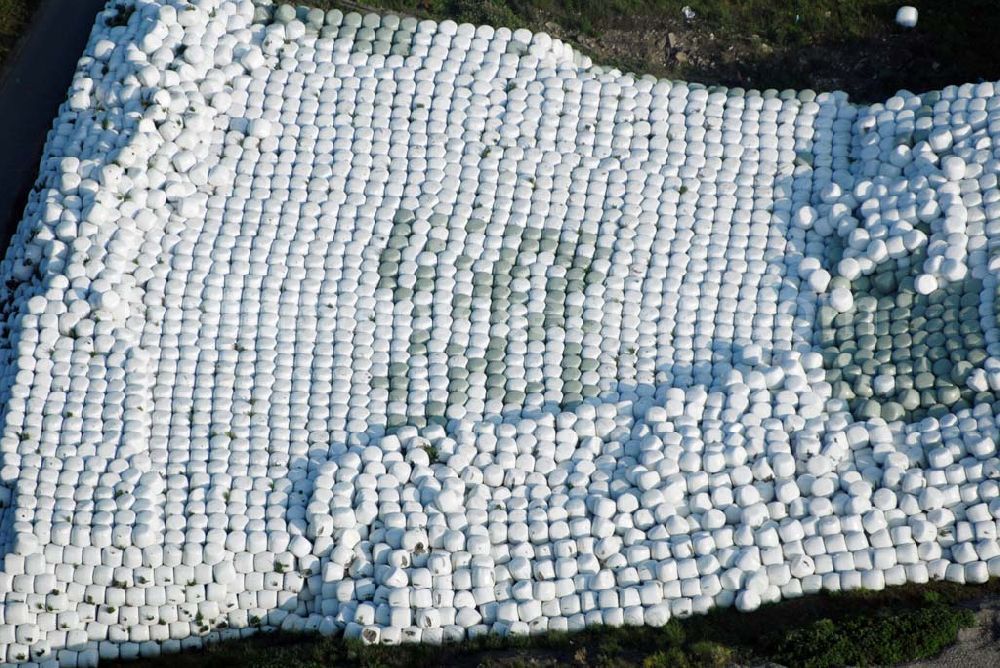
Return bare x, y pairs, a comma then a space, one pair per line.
858, 628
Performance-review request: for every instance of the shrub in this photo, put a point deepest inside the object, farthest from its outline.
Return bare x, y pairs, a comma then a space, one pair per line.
711, 654
872, 639
671, 658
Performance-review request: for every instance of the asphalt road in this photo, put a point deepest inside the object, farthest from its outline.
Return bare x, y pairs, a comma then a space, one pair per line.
33, 84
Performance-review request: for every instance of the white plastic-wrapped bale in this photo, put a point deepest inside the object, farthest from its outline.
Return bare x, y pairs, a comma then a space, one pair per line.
414, 331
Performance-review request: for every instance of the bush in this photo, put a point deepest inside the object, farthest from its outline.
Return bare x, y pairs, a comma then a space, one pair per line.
673, 633
711, 654
873, 639
671, 658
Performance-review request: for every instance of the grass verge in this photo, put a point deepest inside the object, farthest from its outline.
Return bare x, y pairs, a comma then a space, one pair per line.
861, 628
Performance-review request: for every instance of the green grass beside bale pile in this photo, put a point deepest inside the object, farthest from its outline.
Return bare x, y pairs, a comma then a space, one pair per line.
859, 628
863, 641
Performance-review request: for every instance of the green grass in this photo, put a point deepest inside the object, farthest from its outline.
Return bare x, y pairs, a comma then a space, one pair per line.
14, 15
857, 642
824, 630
